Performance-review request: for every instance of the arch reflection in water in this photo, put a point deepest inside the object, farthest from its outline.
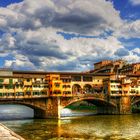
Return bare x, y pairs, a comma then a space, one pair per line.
66, 112
8, 112
76, 113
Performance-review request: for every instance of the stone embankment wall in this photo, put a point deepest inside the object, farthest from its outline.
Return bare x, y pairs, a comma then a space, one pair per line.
7, 134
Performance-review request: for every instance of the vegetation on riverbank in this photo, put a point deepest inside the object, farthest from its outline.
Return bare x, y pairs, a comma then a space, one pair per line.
82, 106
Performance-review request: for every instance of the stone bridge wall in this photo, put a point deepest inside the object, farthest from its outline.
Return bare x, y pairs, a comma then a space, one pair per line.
50, 107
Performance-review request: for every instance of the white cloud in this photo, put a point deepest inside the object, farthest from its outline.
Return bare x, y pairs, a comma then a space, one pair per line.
19, 62
90, 17
133, 58
52, 50
135, 2
136, 50
31, 34
129, 30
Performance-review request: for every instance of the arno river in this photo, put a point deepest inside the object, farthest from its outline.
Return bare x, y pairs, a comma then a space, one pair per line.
97, 127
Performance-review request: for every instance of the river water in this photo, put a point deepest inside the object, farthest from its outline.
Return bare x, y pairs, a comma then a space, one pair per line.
97, 127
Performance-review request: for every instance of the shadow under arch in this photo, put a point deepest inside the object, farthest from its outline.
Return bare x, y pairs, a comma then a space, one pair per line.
103, 107
135, 106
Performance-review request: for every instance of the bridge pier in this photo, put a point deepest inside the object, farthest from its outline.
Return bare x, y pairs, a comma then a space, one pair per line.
125, 105
52, 109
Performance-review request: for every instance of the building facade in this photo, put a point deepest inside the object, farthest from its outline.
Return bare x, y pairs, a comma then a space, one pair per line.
115, 78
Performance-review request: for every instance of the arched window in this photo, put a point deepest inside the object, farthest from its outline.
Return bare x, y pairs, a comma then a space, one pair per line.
87, 89
76, 89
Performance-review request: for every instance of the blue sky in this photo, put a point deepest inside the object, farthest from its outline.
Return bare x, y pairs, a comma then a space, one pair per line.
68, 35
127, 9
4, 3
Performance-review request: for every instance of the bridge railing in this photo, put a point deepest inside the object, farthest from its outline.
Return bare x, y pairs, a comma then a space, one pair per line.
96, 95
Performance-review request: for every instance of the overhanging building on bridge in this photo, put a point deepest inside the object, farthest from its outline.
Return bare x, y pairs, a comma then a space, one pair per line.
32, 84
112, 83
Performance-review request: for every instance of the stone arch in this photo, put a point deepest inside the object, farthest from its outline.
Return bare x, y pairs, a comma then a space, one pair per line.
76, 89
103, 107
94, 100
135, 105
135, 102
38, 110
87, 88
32, 106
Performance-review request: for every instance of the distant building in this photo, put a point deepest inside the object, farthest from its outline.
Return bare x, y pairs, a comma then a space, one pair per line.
116, 67
101, 64
108, 66
130, 68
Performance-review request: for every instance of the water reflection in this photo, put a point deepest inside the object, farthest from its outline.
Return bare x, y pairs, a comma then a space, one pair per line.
89, 127
107, 127
68, 112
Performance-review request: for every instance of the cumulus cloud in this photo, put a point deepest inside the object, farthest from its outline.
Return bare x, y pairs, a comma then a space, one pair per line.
30, 34
132, 58
69, 15
136, 51
135, 2
129, 30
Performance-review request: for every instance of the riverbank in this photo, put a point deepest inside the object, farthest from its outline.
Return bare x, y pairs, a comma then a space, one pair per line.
7, 134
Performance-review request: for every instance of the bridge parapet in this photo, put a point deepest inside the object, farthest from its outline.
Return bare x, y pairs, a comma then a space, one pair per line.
22, 97
88, 95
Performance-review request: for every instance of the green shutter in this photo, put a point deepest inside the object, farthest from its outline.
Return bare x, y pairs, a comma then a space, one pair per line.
1, 86
10, 86
1, 80
11, 81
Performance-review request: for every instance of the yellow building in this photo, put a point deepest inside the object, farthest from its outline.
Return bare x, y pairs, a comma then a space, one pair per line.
69, 84
122, 85
19, 84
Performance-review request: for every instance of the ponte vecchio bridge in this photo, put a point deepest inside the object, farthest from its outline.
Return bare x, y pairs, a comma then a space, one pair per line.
46, 106
48, 93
